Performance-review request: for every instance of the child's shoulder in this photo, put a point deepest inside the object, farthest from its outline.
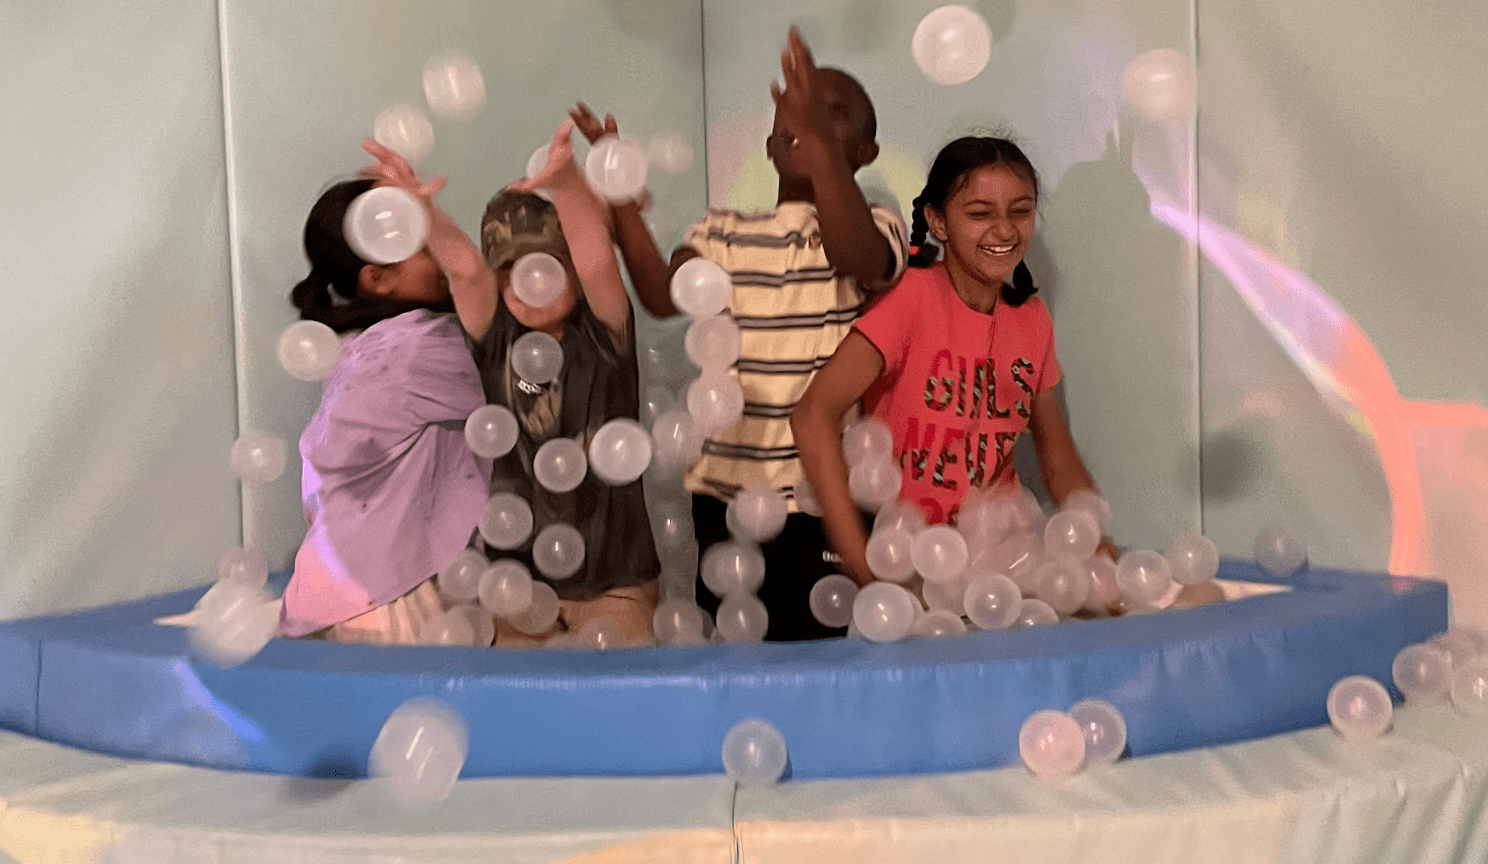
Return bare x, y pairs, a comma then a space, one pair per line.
402, 339
758, 220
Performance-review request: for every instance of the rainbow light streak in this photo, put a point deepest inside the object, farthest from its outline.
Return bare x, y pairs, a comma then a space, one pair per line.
1343, 365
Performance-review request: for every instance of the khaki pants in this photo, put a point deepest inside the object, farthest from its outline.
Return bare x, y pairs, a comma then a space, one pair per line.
631, 608
397, 623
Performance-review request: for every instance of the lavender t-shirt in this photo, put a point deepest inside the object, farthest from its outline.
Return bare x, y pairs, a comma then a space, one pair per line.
391, 491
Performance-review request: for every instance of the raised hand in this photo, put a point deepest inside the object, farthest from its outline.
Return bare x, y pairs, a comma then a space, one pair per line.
391, 169
799, 104
560, 161
589, 125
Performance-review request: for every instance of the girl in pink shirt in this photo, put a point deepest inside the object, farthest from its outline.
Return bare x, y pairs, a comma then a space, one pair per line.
957, 359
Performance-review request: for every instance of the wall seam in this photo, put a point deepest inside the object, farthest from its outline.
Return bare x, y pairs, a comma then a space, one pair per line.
234, 258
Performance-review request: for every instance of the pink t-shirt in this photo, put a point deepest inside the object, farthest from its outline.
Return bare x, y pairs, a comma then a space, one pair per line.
957, 387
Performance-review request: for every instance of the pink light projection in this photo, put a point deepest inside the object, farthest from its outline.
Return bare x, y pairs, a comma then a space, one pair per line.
1434, 455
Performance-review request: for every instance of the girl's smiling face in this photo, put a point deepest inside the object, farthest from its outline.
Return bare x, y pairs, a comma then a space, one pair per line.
987, 224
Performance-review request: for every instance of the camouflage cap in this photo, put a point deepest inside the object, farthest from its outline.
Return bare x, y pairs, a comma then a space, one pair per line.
516, 223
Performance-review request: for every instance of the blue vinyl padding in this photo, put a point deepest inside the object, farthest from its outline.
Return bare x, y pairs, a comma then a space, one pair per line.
111, 680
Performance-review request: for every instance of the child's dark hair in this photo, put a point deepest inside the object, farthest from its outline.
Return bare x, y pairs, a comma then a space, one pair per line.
334, 267
951, 170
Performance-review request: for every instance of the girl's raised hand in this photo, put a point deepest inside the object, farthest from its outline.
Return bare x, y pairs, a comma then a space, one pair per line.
560, 161
588, 123
390, 169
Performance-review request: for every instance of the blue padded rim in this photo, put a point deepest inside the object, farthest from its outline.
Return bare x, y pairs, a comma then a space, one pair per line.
110, 680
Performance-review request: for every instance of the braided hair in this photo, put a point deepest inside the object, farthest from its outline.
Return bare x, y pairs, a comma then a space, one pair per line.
950, 171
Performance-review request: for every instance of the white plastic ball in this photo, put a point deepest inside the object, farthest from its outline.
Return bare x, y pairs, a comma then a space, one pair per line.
449, 629
700, 288
558, 551
257, 457
491, 431
248, 566
679, 622
600, 633
1459, 646
233, 621
1192, 557
903, 515
505, 588
832, 600
560, 465
1278, 552
757, 513
875, 481
733, 567
1019, 557
742, 618
616, 169
939, 553
385, 225
454, 86
620, 451
884, 612
1052, 744
1161, 85
1089, 501
676, 442
890, 555
536, 161
1469, 688
1033, 612
1071, 535
406, 131
952, 45
805, 497
1422, 672
992, 601
938, 622
867, 437
1104, 729
715, 401
539, 616
670, 152
985, 520
712, 343
460, 579
1062, 585
1144, 577
508, 521
949, 595
1360, 707
754, 753
536, 357
420, 752
538, 279
1101, 571
308, 350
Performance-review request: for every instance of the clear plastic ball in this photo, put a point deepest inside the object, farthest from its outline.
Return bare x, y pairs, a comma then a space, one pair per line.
949, 595
558, 551
952, 45
454, 86
406, 131
491, 431
1144, 578
757, 513
1071, 535
1161, 85
1028, 514
420, 752
742, 618
536, 357
616, 169
890, 555
679, 622
460, 579
733, 567
715, 401
669, 152
675, 441
805, 497
505, 588
233, 621
1064, 586
1101, 571
675, 543
938, 622
1360, 707
1422, 672
832, 600
539, 616
600, 633
538, 279
712, 342
560, 465
308, 350
1089, 501
867, 437
385, 225
620, 451
701, 288
884, 612
1033, 612
451, 629
1469, 687
754, 753
536, 161
939, 553
1019, 557
984, 519
1459, 646
992, 601
248, 566
1279, 553
257, 457
508, 521
875, 481
1192, 557
1104, 729
900, 514
1052, 744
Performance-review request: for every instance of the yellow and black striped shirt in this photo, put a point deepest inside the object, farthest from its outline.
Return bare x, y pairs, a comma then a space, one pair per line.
792, 310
